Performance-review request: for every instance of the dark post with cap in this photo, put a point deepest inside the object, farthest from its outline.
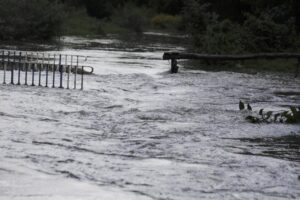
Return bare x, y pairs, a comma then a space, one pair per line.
174, 67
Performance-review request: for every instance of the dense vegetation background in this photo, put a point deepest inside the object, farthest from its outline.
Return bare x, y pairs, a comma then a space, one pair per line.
215, 26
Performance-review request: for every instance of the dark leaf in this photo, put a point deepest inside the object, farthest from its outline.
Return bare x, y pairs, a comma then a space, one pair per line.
269, 114
249, 107
241, 105
276, 117
252, 119
261, 112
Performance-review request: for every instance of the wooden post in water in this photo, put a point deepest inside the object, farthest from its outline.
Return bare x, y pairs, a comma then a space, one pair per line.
12, 70
19, 69
174, 67
54, 69
61, 72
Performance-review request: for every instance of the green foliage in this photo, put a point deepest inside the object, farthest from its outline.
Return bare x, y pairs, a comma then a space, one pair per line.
131, 17
78, 22
268, 32
291, 116
165, 21
269, 28
30, 19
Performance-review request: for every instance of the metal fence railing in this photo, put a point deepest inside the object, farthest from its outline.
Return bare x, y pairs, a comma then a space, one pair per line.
43, 69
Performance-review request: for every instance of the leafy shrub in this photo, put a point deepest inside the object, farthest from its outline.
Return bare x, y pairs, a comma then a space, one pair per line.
130, 17
272, 30
78, 22
268, 34
291, 116
29, 19
222, 36
165, 21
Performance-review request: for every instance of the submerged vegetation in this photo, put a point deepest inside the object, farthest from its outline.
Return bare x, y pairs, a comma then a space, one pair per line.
291, 116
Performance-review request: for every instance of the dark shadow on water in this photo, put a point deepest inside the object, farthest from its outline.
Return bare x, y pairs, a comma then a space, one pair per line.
249, 67
285, 147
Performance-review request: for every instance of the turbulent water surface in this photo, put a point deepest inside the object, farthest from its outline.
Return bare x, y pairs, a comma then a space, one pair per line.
138, 132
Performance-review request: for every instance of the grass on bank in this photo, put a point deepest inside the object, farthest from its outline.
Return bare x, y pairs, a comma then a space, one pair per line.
129, 19
251, 66
78, 23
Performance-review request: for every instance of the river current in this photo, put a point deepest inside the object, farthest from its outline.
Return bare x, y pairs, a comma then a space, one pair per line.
139, 132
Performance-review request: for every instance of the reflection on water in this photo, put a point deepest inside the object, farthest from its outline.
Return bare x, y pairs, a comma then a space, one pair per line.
284, 147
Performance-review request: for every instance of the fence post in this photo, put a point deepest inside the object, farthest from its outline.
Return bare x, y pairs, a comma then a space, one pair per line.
54, 69
19, 69
61, 72
3, 63
47, 70
41, 66
69, 71
8, 57
75, 76
32, 68
13, 70
82, 77
26, 68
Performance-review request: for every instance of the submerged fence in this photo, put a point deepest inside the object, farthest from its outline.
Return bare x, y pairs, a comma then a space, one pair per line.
43, 69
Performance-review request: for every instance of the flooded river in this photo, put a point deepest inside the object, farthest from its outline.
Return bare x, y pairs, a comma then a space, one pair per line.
138, 132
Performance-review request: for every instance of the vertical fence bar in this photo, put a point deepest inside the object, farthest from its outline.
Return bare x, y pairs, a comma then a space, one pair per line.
61, 72
19, 68
32, 69
4, 77
66, 63
54, 69
75, 76
12, 70
82, 73
69, 71
26, 68
47, 70
3, 61
41, 66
